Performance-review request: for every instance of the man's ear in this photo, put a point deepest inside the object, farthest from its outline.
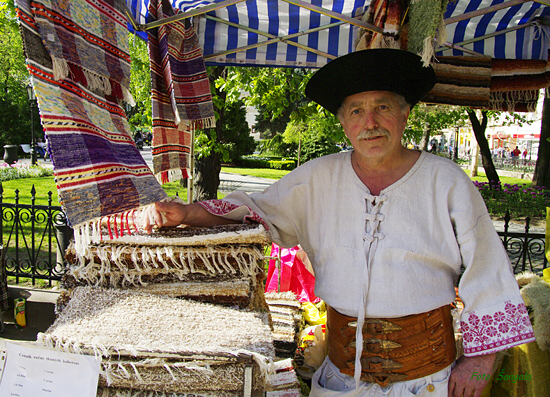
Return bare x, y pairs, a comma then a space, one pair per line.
407, 113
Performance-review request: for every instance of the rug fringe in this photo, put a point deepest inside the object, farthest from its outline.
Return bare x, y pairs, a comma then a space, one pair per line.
94, 81
118, 225
126, 264
61, 68
172, 175
508, 100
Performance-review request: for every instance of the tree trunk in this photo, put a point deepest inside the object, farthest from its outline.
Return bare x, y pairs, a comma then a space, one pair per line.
425, 138
541, 176
474, 163
486, 158
207, 169
207, 177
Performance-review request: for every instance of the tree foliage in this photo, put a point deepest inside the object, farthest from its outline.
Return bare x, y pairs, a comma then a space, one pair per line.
236, 132
140, 115
15, 109
429, 120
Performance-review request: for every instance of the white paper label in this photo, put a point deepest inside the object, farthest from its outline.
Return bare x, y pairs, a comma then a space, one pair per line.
35, 372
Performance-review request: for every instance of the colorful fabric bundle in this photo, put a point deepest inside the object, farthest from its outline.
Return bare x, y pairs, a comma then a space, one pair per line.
181, 94
284, 381
99, 171
386, 14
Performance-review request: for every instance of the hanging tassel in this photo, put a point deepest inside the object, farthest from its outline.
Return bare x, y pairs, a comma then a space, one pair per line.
134, 221
115, 225
109, 227
61, 68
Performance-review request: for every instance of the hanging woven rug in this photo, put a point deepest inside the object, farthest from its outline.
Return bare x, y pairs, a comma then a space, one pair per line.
77, 54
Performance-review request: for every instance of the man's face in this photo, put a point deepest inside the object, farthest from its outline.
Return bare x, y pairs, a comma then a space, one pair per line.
374, 122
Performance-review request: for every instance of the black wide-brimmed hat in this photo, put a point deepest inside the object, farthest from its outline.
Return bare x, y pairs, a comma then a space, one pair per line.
392, 70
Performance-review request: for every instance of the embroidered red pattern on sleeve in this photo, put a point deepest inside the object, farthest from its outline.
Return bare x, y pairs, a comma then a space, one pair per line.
222, 207
500, 331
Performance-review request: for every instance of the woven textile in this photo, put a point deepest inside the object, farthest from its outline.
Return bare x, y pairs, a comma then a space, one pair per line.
87, 42
99, 171
515, 84
181, 94
481, 82
188, 346
461, 81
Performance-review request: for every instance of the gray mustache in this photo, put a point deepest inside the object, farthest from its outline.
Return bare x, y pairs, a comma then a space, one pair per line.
372, 133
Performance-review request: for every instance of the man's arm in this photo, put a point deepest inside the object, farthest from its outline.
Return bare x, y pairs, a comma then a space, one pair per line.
464, 379
177, 214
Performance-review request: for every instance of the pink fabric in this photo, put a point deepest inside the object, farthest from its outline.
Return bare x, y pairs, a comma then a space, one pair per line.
223, 208
509, 327
294, 275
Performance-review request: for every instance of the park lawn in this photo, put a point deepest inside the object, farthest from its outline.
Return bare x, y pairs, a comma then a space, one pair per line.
257, 172
503, 179
175, 189
42, 186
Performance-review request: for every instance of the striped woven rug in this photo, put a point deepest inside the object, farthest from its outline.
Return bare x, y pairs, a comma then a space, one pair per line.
80, 77
181, 97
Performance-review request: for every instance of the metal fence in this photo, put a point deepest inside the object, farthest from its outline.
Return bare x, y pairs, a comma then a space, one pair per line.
34, 238
527, 251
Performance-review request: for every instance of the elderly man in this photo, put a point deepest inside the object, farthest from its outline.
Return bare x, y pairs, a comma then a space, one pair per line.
389, 232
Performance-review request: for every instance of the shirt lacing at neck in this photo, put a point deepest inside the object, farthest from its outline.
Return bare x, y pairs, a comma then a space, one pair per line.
371, 237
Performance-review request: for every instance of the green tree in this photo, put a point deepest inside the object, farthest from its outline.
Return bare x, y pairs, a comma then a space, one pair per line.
15, 108
427, 120
314, 148
316, 136
479, 125
236, 133
140, 115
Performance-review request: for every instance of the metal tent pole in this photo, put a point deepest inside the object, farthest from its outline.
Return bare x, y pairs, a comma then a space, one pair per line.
191, 169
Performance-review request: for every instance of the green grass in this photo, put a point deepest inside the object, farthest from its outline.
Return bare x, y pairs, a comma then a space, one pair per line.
173, 188
42, 185
503, 179
257, 172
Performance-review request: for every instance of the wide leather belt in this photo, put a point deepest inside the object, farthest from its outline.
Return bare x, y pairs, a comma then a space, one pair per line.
394, 349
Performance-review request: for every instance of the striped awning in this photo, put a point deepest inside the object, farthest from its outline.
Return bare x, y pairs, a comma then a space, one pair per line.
308, 33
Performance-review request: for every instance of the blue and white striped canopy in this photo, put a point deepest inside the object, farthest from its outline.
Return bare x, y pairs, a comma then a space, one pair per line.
308, 33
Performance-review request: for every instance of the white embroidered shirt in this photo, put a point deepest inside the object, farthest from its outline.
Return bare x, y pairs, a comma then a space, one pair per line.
398, 253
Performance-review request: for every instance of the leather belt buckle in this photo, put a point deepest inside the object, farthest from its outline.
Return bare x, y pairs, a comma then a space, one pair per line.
375, 345
376, 326
379, 364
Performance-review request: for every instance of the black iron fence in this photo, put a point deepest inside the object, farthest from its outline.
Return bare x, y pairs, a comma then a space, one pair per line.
526, 250
34, 238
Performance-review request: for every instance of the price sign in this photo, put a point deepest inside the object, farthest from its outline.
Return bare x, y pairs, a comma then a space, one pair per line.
35, 372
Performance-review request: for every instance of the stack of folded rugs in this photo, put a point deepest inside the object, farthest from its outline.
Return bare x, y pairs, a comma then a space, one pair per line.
180, 312
287, 320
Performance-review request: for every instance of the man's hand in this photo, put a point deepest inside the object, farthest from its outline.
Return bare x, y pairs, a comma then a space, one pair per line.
175, 212
470, 375
165, 214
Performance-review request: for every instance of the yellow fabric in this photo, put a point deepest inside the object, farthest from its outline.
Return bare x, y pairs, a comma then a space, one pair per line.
547, 234
313, 315
526, 359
